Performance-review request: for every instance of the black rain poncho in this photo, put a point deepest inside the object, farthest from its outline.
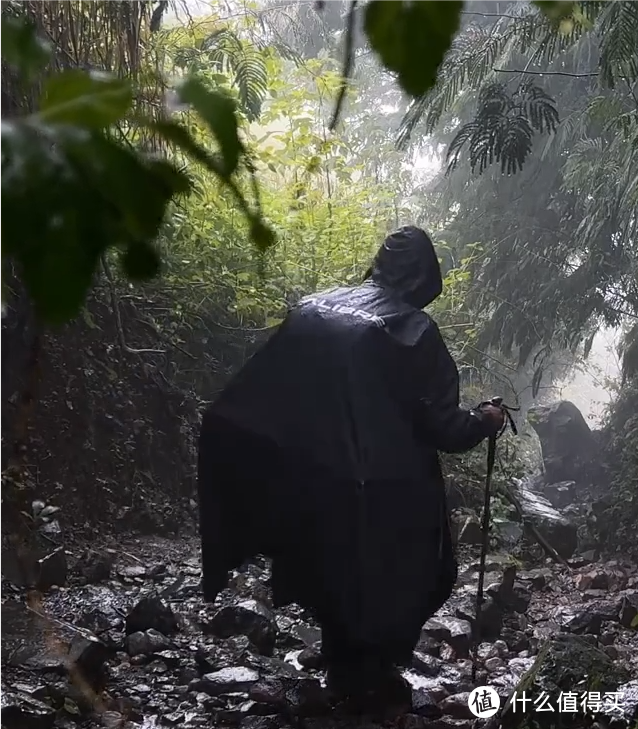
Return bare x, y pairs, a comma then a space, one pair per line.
322, 453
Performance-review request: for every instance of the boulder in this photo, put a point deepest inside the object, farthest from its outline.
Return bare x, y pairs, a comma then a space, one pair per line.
569, 448
560, 494
151, 612
560, 533
250, 618
563, 662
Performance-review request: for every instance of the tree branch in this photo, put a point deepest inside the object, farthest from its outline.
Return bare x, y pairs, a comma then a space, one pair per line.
545, 73
115, 304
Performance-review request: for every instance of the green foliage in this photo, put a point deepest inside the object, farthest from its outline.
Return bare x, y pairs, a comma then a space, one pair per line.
72, 191
412, 38
559, 246
21, 47
328, 214
504, 127
219, 50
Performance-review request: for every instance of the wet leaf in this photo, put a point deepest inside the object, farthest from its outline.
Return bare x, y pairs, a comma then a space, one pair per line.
412, 38
22, 48
100, 194
91, 100
179, 136
217, 109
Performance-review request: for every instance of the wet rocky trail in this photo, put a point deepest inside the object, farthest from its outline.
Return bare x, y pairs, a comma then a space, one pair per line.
128, 642
118, 636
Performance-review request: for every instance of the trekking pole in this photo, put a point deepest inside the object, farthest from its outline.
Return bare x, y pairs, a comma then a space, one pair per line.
485, 524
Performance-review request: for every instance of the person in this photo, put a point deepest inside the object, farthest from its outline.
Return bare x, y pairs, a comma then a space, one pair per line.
321, 453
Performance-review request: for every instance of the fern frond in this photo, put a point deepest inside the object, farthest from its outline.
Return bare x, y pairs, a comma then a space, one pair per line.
619, 42
246, 65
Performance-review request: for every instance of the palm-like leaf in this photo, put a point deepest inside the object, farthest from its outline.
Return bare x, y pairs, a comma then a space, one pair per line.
619, 42
504, 127
479, 54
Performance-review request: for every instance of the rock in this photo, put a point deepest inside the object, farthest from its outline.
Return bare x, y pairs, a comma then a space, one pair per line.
456, 633
301, 696
588, 618
516, 640
25, 641
228, 680
539, 578
309, 635
426, 664
560, 494
423, 704
52, 570
558, 531
596, 580
94, 567
262, 722
491, 622
132, 571
146, 643
589, 555
628, 703
151, 612
487, 650
493, 664
87, 659
249, 618
20, 711
457, 706
516, 599
510, 533
628, 608
428, 644
470, 531
311, 658
563, 662
509, 594
567, 443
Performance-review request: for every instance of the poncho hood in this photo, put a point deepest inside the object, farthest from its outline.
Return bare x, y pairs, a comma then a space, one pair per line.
408, 264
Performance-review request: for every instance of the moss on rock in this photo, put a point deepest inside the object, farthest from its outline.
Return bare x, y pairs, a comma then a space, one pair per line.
564, 664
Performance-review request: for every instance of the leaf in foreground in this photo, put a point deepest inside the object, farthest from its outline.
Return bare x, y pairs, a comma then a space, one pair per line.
90, 100
412, 38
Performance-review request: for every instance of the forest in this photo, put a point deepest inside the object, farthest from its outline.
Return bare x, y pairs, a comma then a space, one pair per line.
177, 175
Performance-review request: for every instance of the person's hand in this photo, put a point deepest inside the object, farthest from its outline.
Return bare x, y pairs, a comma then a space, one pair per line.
494, 415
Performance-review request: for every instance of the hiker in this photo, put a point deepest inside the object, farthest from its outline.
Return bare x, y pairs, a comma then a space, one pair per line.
321, 453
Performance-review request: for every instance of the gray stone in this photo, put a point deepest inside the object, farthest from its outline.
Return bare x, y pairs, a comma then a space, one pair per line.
20, 711
567, 443
228, 680
558, 531
146, 643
